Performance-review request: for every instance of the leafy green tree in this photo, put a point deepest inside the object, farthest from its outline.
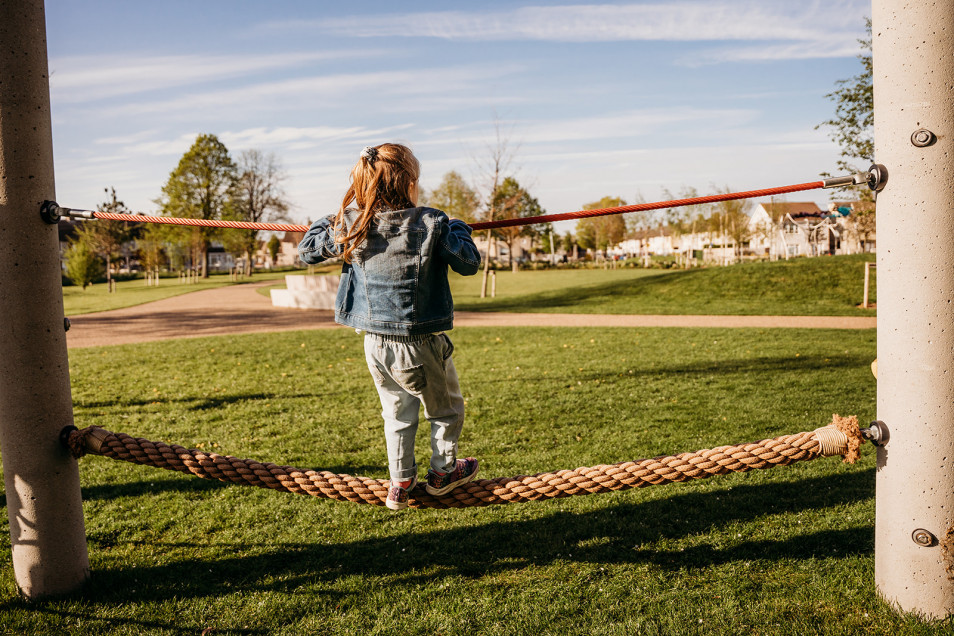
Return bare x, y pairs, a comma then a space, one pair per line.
82, 264
601, 232
567, 243
106, 238
852, 127
257, 197
274, 246
200, 188
455, 197
511, 201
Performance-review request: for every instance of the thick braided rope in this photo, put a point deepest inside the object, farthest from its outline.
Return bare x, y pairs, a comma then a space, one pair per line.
780, 451
486, 225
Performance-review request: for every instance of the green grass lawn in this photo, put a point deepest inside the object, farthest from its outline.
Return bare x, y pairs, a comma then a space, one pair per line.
824, 286
781, 551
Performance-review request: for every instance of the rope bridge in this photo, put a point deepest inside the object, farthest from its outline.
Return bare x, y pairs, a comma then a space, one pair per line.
874, 178
841, 437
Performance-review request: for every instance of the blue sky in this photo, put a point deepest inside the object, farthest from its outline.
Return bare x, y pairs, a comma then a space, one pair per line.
619, 99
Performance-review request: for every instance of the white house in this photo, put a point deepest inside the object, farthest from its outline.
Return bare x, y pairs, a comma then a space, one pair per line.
287, 252
775, 230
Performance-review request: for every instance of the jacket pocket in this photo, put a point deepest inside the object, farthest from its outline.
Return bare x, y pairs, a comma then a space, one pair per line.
413, 379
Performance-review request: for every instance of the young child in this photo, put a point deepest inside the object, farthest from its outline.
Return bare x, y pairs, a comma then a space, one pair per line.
394, 288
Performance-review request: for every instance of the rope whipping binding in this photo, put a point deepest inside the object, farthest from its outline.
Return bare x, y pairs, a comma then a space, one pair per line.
875, 178
841, 437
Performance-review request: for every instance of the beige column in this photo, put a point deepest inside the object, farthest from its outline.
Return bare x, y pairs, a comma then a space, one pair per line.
41, 479
913, 43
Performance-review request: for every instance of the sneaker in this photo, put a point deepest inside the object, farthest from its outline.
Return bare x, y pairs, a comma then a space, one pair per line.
398, 497
442, 483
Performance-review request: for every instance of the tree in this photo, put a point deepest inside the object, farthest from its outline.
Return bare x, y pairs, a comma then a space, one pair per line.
495, 167
257, 197
152, 255
567, 243
455, 197
852, 127
200, 188
770, 231
733, 220
861, 223
106, 238
511, 201
686, 219
82, 264
274, 247
601, 232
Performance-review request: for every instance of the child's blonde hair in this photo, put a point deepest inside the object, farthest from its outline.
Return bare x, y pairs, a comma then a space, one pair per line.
381, 180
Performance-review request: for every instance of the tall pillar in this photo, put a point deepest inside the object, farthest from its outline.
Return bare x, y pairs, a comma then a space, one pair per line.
913, 47
42, 481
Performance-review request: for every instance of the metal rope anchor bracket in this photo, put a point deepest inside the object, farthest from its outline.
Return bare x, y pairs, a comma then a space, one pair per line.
877, 433
875, 178
52, 212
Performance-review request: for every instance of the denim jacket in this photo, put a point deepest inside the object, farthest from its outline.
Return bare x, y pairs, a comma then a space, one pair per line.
396, 283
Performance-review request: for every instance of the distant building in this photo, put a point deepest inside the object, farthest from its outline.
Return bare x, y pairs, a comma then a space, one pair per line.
775, 230
287, 252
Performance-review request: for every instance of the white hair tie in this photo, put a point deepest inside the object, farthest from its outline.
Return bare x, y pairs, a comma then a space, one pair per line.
370, 153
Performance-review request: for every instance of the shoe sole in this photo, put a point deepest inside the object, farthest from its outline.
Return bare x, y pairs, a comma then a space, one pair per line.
437, 492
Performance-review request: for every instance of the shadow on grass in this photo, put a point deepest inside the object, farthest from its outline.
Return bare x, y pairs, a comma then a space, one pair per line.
573, 297
203, 403
623, 534
108, 625
716, 367
188, 484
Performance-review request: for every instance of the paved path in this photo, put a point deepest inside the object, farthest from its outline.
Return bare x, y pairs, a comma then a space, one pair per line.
241, 309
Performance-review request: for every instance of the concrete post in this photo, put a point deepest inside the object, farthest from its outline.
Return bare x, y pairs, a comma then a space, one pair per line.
42, 481
913, 46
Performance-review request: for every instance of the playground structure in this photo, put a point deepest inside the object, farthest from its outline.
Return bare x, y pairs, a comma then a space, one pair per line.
313, 292
914, 124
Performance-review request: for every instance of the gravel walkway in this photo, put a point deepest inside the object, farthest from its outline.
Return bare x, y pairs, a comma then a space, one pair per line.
241, 309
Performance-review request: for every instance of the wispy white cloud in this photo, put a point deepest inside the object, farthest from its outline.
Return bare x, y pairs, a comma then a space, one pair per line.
691, 20
804, 50
308, 137
304, 91
94, 78
653, 125
633, 123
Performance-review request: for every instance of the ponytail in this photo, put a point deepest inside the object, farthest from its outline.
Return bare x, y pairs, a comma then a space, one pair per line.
381, 180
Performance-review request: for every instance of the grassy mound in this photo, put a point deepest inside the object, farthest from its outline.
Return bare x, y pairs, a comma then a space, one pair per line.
824, 286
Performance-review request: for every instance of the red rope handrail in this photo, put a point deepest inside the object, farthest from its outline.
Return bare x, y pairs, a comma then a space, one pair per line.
485, 225
643, 207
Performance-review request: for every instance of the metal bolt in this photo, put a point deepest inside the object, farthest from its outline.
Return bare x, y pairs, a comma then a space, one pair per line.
923, 538
50, 212
877, 177
877, 433
923, 137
